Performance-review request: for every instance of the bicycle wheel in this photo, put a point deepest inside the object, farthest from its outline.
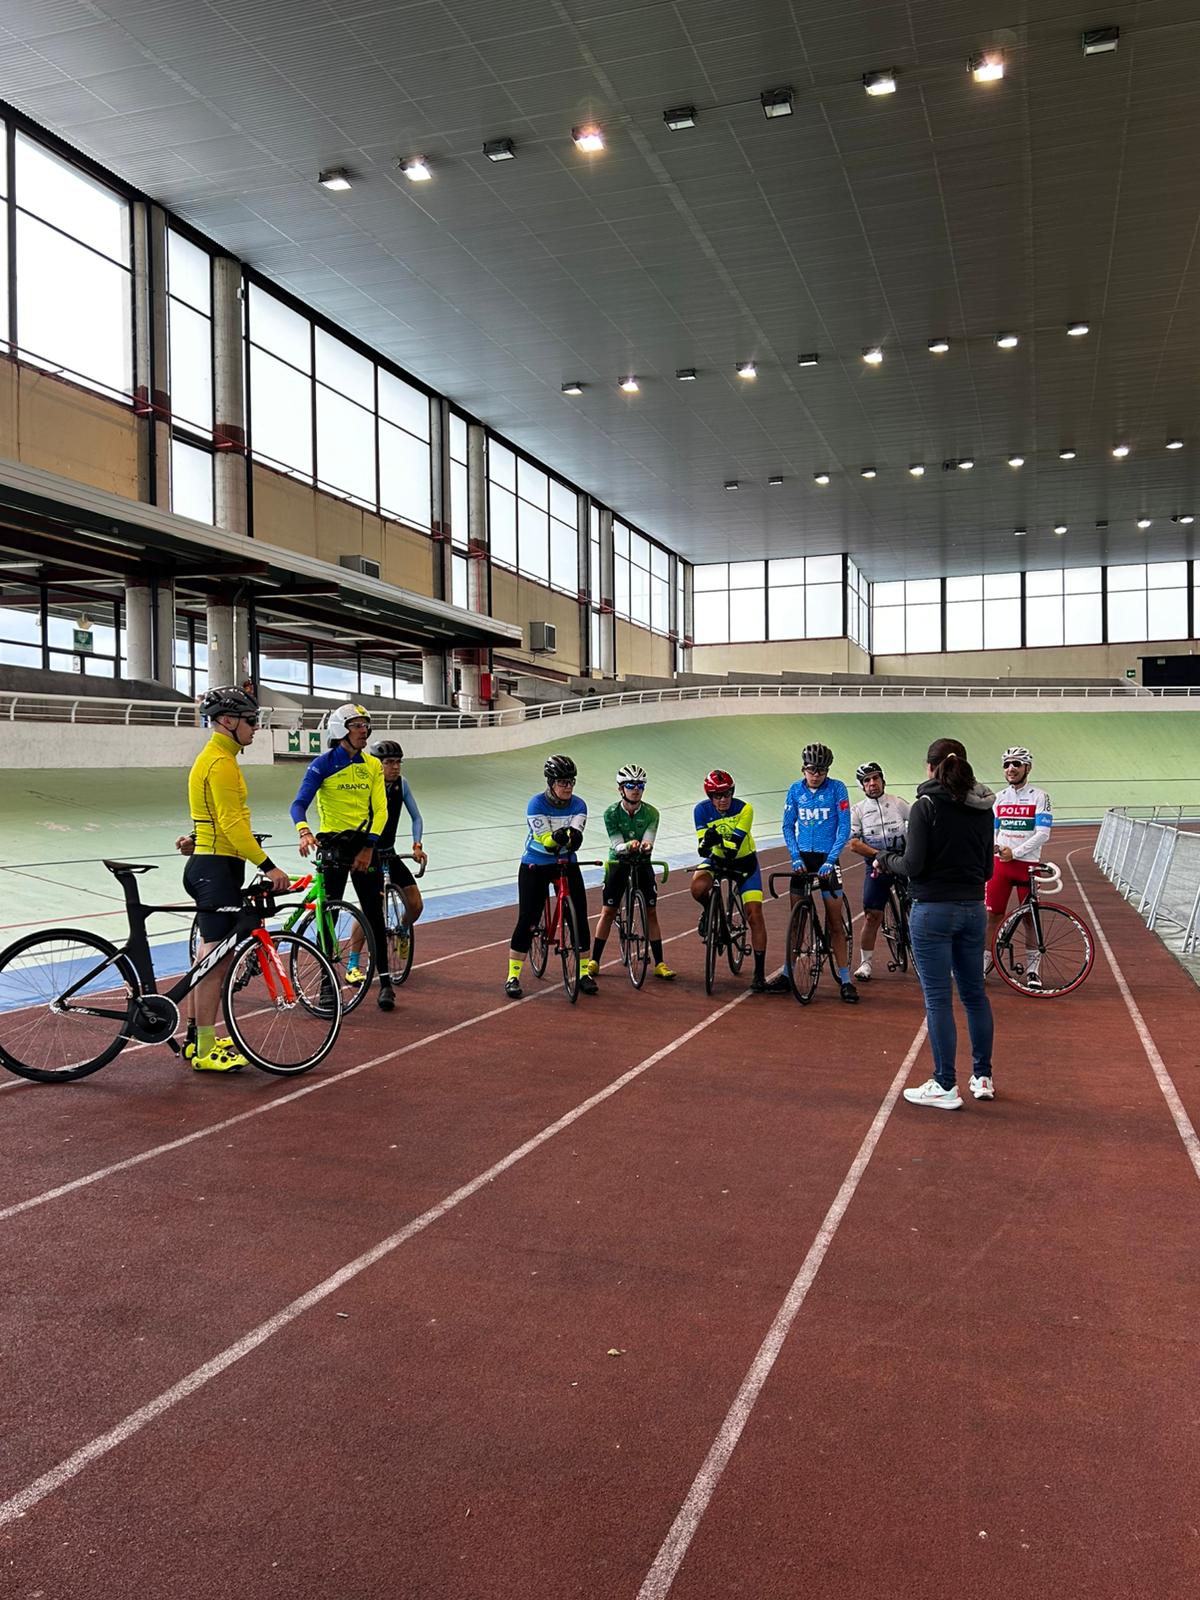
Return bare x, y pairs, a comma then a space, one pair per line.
539, 950
839, 907
713, 942
569, 952
637, 944
52, 985
895, 930
1067, 952
344, 929
195, 940
402, 940
735, 950
805, 951
281, 1002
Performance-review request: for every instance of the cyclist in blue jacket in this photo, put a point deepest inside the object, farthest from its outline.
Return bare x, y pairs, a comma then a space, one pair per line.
816, 826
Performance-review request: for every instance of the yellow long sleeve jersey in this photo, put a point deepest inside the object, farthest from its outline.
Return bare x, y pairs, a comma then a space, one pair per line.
219, 805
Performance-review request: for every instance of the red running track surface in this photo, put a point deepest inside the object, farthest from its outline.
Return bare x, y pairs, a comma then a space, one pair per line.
989, 1384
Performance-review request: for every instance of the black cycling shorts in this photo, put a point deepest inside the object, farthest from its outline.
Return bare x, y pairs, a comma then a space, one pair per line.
215, 884
813, 861
616, 874
399, 874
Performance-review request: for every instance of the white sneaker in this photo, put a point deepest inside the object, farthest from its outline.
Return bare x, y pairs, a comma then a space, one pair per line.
931, 1093
1033, 977
863, 974
982, 1089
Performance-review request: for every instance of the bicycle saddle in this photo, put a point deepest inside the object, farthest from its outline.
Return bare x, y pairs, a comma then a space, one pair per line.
118, 867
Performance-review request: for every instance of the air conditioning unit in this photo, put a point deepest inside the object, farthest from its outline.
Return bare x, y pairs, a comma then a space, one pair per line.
543, 637
363, 565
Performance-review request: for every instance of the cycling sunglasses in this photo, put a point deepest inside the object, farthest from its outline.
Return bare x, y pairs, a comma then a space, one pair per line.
633, 786
1009, 764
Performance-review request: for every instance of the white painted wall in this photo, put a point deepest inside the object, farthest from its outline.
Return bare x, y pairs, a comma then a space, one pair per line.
110, 747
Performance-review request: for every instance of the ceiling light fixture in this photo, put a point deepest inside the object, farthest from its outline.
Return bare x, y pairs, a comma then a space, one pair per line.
572, 388
1076, 330
873, 355
1060, 527
1099, 41
776, 102
917, 470
415, 169
987, 66
747, 369
966, 464
810, 358
1007, 341
821, 477
335, 178
1020, 533
630, 384
680, 117
500, 150
1016, 461
1144, 522
589, 137
1174, 444
1067, 455
1185, 519
686, 374
938, 347
774, 483
732, 483
1120, 451
868, 472
881, 82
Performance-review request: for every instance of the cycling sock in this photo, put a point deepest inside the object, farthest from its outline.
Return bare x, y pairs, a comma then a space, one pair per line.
843, 974
760, 963
352, 961
514, 968
598, 948
205, 1039
656, 951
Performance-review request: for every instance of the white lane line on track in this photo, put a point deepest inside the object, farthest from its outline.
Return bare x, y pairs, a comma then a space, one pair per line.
674, 1548
57, 1476
1183, 1123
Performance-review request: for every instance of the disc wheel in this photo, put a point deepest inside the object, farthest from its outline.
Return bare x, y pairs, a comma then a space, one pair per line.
636, 950
804, 953
343, 931
46, 982
1067, 951
539, 950
739, 936
281, 999
401, 939
894, 928
569, 952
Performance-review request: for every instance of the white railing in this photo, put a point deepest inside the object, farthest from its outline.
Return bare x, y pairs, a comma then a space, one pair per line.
28, 707
1155, 863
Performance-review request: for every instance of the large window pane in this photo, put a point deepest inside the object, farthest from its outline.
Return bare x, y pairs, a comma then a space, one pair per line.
711, 617
1081, 618
1166, 614
1002, 586
788, 573
1043, 620
887, 630
458, 581
564, 556
564, 502
502, 465
191, 356
923, 626
639, 595
73, 308
189, 273
279, 329
660, 605
345, 370
62, 194
458, 438
502, 525
458, 505
404, 476
621, 585
746, 574
1043, 583
824, 569
711, 577
1081, 580
1001, 624
747, 615
1126, 615
280, 414
1122, 578
786, 609
400, 403
964, 588
823, 611
887, 594
345, 446
964, 624
1166, 575
533, 485
191, 481
533, 541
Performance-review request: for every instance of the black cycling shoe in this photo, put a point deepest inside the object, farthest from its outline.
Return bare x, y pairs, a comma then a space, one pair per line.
849, 993
702, 929
513, 990
588, 985
758, 985
386, 998
779, 984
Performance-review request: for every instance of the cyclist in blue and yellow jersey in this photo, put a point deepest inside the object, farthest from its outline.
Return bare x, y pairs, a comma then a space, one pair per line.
816, 826
220, 846
632, 826
723, 834
555, 820
348, 787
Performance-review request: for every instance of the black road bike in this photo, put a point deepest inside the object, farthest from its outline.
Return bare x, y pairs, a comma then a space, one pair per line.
808, 945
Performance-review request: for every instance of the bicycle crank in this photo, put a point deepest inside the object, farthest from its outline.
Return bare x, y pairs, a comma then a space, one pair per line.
155, 1019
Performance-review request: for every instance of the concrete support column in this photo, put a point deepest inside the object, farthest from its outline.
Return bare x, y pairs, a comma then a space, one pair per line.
468, 695
478, 563
583, 550
231, 501
151, 366
608, 620
228, 644
164, 633
139, 658
687, 625
439, 457
433, 678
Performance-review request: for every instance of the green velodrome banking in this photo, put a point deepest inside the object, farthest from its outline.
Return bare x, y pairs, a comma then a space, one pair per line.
58, 825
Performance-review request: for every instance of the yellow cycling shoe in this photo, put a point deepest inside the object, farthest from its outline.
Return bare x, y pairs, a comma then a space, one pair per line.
221, 1058
355, 975
662, 970
589, 969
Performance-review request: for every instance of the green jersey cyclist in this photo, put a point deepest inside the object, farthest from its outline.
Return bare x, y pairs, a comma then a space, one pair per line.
632, 825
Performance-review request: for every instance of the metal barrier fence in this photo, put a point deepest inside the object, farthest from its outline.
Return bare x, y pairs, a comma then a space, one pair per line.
1155, 863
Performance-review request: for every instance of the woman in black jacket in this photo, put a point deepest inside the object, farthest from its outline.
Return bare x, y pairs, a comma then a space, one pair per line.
947, 859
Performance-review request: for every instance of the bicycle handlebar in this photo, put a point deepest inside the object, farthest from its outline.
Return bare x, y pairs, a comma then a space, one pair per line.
396, 855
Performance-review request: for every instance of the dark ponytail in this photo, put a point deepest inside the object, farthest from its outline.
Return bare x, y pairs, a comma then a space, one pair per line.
948, 758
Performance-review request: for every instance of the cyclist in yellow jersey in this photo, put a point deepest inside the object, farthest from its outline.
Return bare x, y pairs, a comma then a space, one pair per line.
216, 867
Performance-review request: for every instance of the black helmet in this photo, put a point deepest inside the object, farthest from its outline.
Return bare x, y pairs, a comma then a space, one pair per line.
817, 756
387, 750
228, 702
869, 769
559, 769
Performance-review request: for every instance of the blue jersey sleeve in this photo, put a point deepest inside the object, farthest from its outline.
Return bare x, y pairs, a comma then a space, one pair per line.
843, 824
410, 805
307, 792
789, 822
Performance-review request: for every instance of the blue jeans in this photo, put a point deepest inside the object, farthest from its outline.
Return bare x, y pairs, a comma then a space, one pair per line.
948, 938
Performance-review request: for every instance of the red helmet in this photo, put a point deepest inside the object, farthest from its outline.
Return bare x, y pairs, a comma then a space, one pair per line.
718, 782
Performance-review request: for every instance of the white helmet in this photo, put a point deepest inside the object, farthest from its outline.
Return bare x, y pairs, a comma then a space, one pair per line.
335, 726
1017, 752
631, 774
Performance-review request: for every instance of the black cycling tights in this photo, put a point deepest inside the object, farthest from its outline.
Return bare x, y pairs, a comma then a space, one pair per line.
533, 885
368, 886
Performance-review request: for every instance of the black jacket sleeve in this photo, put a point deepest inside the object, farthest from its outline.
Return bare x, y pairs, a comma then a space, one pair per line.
913, 859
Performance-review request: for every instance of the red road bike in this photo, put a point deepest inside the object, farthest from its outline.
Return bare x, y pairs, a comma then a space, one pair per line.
556, 928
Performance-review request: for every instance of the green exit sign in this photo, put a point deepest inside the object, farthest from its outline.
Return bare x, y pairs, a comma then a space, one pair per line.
1131, 672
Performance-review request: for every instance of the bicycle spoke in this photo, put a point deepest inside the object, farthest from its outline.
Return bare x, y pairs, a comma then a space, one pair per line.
46, 1037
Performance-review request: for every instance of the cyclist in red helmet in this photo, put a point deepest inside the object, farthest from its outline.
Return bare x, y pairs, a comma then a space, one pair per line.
723, 834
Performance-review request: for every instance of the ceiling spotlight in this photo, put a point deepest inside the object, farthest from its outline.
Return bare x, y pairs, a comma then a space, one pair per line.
1067, 455
572, 388
1007, 341
630, 384
1186, 519
966, 464
987, 66
335, 178
881, 82
415, 169
1174, 444
776, 102
732, 483
588, 137
917, 470
868, 472
1060, 527
1016, 461
1099, 41
1120, 451
938, 347
1143, 523
774, 483
821, 477
1020, 533
500, 150
1076, 330
686, 374
680, 117
873, 355
747, 369
808, 359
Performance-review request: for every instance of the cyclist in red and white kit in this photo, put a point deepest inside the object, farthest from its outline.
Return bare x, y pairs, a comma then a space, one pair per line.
1023, 819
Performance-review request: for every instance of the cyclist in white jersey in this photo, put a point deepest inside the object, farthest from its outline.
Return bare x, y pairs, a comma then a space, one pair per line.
1024, 817
878, 822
